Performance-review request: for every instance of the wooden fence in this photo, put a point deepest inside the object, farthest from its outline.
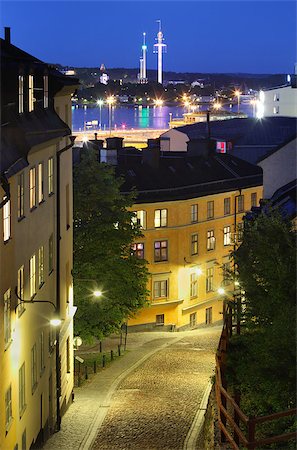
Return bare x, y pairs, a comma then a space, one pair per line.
237, 428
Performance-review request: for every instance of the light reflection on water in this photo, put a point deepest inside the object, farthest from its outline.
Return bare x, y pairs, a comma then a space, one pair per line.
136, 117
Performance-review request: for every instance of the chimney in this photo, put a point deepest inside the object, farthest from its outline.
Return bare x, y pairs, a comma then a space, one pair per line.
151, 156
7, 34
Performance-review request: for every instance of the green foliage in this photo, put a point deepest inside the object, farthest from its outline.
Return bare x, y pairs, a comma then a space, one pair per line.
262, 361
103, 234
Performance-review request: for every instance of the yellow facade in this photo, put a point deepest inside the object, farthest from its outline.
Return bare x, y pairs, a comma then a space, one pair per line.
28, 358
185, 304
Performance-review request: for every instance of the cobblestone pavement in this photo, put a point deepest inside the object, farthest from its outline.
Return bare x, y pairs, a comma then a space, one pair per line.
145, 400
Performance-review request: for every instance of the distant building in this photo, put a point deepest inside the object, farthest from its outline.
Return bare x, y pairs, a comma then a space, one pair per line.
199, 83
104, 78
279, 101
36, 359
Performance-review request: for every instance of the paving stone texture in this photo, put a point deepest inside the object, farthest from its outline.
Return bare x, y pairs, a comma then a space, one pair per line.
145, 400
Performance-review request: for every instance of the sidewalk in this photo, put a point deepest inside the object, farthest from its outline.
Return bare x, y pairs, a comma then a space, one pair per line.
154, 364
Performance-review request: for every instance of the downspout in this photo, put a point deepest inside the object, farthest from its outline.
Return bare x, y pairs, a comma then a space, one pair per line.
58, 302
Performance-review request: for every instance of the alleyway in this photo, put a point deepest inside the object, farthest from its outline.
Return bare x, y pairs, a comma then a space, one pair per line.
145, 400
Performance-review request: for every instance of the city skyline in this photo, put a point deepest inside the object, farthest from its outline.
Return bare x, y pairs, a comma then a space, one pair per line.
215, 36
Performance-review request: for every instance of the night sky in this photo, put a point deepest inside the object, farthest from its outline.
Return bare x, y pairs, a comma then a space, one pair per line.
202, 36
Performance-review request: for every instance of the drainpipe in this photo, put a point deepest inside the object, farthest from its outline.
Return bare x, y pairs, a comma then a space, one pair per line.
58, 302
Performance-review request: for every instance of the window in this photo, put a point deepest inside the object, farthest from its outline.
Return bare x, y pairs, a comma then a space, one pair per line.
194, 244
276, 110
20, 195
276, 97
22, 391
67, 207
51, 254
208, 316
68, 355
227, 235
160, 319
227, 206
160, 218
20, 289
209, 279
7, 317
193, 285
240, 203
21, 94
50, 176
8, 408
40, 266
41, 348
6, 220
221, 147
210, 209
211, 240
32, 276
240, 228
253, 199
193, 319
227, 273
33, 368
160, 289
40, 183
194, 213
140, 219
161, 251
45, 91
32, 187
31, 93
138, 250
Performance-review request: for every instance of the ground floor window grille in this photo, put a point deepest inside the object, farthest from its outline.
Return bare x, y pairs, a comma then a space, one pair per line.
160, 319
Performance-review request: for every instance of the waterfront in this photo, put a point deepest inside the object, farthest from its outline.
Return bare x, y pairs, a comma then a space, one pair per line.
132, 117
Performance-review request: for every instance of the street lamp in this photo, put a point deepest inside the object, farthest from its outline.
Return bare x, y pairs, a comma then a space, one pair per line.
56, 322
110, 101
217, 106
100, 103
237, 93
158, 102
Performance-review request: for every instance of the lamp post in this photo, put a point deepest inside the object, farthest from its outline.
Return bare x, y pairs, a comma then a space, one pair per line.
110, 101
100, 103
56, 321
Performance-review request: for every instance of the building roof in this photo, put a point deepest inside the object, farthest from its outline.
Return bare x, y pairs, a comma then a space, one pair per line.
177, 176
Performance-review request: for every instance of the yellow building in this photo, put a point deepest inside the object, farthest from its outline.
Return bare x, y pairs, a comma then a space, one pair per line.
190, 208
36, 358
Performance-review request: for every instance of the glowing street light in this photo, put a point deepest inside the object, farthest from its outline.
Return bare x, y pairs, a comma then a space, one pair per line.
198, 271
97, 293
217, 106
221, 291
85, 138
237, 94
158, 102
55, 322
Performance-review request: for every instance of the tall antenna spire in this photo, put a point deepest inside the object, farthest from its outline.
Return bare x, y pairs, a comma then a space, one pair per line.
160, 48
142, 73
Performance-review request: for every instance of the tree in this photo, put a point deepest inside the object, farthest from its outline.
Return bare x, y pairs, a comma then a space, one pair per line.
262, 360
103, 236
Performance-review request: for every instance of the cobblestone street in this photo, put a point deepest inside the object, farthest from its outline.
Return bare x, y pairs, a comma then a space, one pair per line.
145, 400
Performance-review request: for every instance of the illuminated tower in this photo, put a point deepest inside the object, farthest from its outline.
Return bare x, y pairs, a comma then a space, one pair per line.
160, 48
142, 73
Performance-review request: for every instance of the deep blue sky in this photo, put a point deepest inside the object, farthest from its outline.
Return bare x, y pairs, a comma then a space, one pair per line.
202, 36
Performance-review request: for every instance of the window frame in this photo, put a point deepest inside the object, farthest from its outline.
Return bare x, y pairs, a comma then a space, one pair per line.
6, 220
21, 196
227, 206
209, 279
227, 235
32, 188
160, 289
138, 250
30, 93
240, 203
7, 318
194, 213
21, 94
40, 266
210, 209
194, 244
165, 250
211, 240
20, 289
45, 91
50, 175
193, 285
34, 379
40, 169
161, 218
32, 275
22, 389
8, 407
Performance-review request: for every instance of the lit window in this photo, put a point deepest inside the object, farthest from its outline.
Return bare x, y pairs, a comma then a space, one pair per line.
33, 367
276, 110
32, 187
138, 250
221, 147
6, 220
21, 94
21, 181
194, 213
31, 93
7, 317
50, 176
161, 251
32, 276
20, 289
40, 183
8, 408
209, 279
211, 240
45, 91
193, 284
160, 319
160, 218
240, 203
140, 219
160, 289
194, 244
227, 235
227, 206
193, 319
40, 266
51, 253
253, 199
210, 209
22, 390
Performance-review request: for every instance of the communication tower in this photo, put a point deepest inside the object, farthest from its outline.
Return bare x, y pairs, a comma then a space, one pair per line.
142, 73
160, 48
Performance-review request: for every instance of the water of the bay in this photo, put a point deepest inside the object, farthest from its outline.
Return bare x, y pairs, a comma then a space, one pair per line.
133, 117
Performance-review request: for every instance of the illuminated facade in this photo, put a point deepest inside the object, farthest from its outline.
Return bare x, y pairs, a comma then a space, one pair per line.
36, 359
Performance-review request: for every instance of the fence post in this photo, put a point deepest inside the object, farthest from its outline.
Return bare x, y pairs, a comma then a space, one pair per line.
111, 355
236, 417
95, 366
103, 360
126, 332
251, 433
86, 372
100, 347
119, 350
